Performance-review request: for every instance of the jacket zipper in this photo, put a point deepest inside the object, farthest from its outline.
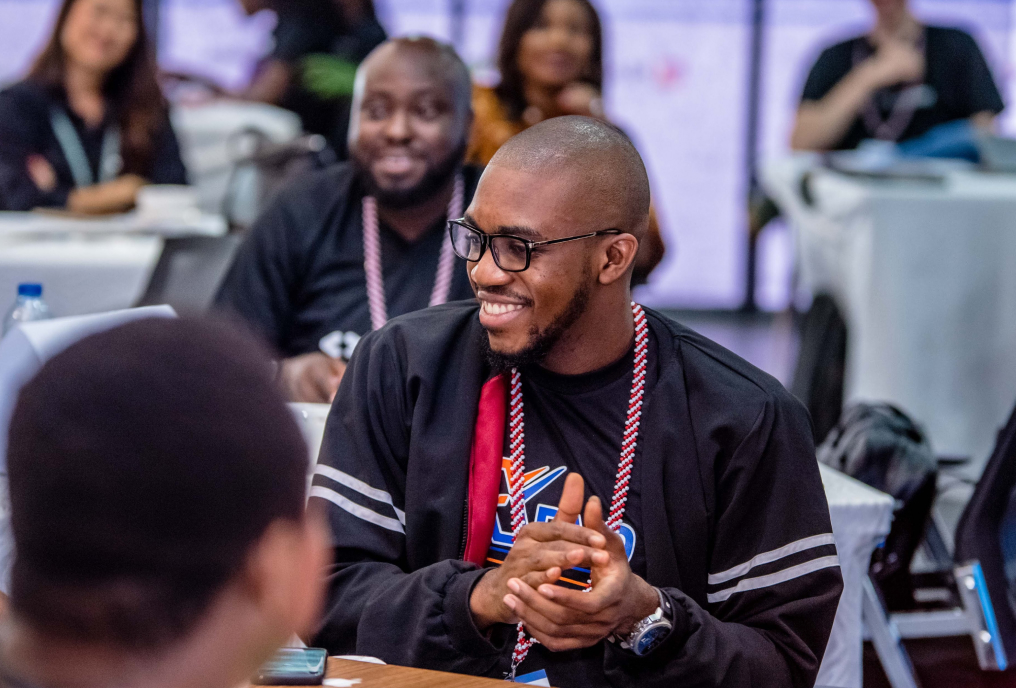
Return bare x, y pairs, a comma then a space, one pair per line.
465, 528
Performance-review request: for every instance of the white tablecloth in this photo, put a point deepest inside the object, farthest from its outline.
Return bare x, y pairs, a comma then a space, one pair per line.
78, 275
86, 266
860, 515
926, 275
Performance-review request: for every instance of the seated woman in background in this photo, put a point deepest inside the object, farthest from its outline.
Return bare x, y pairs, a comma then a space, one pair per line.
89, 126
551, 64
896, 83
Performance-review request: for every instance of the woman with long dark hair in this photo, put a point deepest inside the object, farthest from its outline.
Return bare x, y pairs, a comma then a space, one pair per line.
89, 125
551, 63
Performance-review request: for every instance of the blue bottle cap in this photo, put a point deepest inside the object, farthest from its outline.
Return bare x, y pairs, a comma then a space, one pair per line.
30, 290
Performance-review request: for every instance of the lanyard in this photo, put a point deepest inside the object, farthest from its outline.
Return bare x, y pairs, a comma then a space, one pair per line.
908, 102
372, 258
517, 458
74, 151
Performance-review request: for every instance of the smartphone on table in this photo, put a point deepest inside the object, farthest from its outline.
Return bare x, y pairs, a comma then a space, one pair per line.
292, 666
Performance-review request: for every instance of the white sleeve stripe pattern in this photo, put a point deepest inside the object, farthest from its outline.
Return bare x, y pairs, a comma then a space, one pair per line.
769, 557
361, 512
775, 578
359, 486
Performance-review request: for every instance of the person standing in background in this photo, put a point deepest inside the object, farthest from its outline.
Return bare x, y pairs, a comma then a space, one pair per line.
896, 83
344, 31
551, 63
89, 126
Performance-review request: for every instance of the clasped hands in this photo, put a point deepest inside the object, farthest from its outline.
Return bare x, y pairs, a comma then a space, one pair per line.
523, 589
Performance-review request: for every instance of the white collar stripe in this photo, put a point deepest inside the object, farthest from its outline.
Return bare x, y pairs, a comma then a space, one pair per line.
359, 486
361, 512
768, 557
775, 578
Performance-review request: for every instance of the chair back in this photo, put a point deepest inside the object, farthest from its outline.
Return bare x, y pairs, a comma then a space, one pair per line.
987, 532
190, 271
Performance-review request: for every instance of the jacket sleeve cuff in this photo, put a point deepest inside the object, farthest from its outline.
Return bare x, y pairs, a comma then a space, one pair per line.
682, 620
458, 618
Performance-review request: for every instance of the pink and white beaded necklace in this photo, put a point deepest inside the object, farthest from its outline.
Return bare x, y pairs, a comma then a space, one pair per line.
517, 457
372, 258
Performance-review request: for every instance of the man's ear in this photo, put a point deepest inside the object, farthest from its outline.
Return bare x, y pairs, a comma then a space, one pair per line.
619, 256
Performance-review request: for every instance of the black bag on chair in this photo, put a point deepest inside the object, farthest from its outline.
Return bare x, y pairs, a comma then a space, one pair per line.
882, 447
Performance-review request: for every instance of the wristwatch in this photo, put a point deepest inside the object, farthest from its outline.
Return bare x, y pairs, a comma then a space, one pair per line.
650, 632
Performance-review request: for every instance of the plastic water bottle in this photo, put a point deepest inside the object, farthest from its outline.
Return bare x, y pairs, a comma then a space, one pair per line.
28, 307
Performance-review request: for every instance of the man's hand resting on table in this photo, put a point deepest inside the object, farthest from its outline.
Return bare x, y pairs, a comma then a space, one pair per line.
312, 378
523, 589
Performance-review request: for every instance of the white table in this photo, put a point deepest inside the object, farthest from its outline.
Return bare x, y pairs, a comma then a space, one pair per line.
860, 516
86, 266
926, 276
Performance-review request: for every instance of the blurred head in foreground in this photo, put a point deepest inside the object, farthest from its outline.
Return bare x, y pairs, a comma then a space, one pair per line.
157, 494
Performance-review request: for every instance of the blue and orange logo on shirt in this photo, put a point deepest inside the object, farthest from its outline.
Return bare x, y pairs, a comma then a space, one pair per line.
535, 482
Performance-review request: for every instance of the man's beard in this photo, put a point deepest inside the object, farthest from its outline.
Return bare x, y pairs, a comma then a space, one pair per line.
434, 179
540, 343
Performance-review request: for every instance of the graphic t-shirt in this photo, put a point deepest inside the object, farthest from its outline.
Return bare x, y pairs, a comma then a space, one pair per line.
574, 423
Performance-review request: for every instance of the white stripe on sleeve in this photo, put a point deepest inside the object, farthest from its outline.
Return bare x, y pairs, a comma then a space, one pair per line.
769, 557
775, 578
361, 512
359, 486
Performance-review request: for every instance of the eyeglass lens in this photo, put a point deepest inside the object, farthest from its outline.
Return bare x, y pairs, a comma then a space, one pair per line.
509, 253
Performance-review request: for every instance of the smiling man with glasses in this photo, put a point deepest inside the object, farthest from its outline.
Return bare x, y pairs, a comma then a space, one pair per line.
554, 485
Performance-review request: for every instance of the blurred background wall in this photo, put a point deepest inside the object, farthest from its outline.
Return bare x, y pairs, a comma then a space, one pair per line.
679, 80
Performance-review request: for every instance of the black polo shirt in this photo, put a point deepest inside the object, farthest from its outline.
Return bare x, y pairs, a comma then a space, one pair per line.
956, 72
299, 279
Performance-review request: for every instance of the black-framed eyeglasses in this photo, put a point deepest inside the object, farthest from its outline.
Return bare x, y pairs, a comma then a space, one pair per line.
510, 253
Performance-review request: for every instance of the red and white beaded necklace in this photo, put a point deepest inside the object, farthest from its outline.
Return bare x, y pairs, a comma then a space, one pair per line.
517, 456
372, 258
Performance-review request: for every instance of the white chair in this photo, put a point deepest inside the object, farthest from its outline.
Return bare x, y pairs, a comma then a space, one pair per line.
23, 352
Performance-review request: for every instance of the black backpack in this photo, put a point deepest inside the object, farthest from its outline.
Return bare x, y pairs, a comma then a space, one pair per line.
882, 447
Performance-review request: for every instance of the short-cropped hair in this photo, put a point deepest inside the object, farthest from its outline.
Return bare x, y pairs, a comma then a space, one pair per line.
144, 464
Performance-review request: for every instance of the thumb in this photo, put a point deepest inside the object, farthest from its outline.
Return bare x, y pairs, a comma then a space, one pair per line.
593, 518
570, 505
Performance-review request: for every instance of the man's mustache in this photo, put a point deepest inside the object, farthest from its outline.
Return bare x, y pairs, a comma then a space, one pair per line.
498, 290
